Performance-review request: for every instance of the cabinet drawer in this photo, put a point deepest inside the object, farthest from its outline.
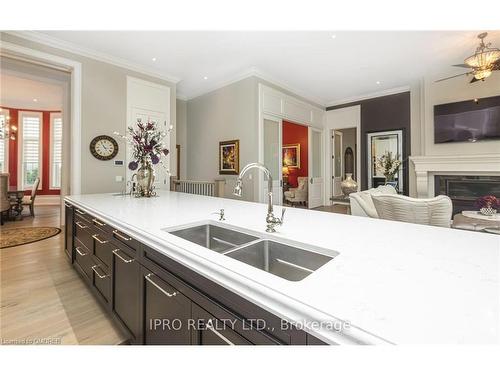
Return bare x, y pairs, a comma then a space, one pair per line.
102, 248
211, 331
82, 215
101, 280
167, 313
83, 234
125, 239
126, 290
83, 257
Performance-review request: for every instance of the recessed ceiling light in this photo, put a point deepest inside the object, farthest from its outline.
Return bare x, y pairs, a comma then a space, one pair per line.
35, 99
154, 59
334, 36
205, 78
378, 82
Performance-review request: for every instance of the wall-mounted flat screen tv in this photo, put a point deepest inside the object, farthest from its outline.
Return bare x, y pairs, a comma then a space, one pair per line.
467, 121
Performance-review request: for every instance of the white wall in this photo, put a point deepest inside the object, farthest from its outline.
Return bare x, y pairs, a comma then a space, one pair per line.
225, 114
104, 102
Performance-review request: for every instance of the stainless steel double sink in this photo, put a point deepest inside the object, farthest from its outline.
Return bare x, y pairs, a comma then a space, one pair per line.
293, 263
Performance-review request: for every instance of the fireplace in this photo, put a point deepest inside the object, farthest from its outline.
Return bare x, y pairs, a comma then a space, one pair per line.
464, 190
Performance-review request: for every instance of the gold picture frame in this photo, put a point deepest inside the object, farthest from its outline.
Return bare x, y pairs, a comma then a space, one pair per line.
229, 157
291, 155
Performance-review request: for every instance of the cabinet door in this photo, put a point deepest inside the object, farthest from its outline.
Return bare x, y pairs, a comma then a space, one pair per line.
126, 289
167, 313
68, 230
209, 330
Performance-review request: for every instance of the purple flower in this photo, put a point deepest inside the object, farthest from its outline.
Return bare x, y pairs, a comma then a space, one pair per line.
487, 201
155, 159
165, 151
133, 165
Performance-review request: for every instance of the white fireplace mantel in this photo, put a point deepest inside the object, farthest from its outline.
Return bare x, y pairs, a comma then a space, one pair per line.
428, 166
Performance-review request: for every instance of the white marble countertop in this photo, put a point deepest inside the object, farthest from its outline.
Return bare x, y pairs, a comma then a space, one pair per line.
393, 282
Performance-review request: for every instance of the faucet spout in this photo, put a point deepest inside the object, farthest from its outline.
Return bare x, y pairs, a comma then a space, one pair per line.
271, 220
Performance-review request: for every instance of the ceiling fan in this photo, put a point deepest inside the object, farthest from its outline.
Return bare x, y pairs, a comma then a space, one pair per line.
482, 63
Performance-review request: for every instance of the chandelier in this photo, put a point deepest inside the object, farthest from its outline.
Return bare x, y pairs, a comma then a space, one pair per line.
483, 60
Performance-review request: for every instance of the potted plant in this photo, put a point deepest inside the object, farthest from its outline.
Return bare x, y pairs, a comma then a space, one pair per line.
488, 205
389, 165
148, 149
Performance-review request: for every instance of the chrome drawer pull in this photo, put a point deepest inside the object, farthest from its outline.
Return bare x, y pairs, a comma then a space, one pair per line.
79, 251
81, 225
94, 268
209, 325
80, 212
94, 236
148, 278
97, 222
115, 251
67, 205
116, 233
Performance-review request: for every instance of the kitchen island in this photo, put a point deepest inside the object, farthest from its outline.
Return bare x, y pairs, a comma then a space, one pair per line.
387, 282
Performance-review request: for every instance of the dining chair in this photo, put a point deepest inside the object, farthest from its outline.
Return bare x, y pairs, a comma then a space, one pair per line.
30, 200
4, 196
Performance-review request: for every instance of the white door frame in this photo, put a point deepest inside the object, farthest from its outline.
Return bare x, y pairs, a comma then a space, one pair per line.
74, 68
350, 118
311, 179
277, 198
336, 133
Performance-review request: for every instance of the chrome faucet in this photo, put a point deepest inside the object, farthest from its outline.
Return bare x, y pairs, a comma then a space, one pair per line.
271, 220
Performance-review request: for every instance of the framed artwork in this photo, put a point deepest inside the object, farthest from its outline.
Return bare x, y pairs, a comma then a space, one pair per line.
229, 157
291, 156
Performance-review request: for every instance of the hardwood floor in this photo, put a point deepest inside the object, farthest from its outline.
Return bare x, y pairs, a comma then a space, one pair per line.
43, 298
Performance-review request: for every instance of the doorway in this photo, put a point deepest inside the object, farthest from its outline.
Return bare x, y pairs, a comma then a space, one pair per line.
295, 165
343, 157
34, 129
294, 153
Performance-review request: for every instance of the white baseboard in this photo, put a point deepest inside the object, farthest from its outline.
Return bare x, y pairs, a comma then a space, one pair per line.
47, 200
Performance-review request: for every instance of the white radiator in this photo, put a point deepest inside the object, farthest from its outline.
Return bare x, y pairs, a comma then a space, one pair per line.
213, 189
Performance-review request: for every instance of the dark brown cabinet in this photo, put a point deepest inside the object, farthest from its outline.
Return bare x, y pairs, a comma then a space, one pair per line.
126, 289
156, 300
167, 312
68, 231
208, 330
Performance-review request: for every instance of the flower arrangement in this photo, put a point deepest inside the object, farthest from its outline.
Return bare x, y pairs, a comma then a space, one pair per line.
488, 201
389, 165
148, 147
147, 144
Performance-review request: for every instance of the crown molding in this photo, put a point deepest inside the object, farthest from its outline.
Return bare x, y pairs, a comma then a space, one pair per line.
50, 41
395, 90
255, 72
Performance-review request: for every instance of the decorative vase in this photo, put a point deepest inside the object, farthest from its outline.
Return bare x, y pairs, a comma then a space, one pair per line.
145, 180
488, 211
348, 186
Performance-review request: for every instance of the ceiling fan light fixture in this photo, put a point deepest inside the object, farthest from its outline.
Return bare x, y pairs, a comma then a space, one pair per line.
482, 74
482, 59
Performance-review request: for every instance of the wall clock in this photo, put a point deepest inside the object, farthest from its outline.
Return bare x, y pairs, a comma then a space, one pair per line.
104, 147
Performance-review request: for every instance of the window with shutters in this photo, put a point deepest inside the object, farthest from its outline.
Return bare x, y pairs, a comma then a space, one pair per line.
31, 150
55, 150
4, 141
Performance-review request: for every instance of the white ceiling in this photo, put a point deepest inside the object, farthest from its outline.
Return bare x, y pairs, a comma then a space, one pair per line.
311, 63
18, 92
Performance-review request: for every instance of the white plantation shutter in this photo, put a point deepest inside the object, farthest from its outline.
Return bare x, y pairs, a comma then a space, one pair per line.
56, 152
3, 140
31, 149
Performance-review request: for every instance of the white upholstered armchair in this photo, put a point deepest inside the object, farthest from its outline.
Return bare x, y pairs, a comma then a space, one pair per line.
298, 194
362, 204
432, 211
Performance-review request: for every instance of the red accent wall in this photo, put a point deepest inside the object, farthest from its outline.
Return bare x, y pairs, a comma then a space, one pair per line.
13, 151
292, 134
